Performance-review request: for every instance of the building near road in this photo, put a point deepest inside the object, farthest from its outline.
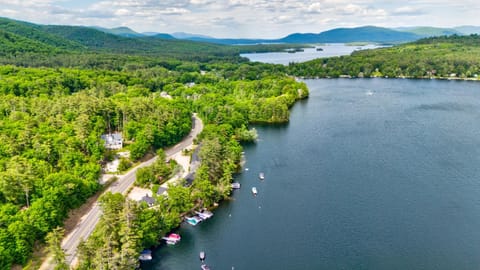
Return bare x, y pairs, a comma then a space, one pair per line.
149, 200
113, 141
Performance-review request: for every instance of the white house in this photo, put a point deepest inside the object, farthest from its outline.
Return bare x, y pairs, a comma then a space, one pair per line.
113, 140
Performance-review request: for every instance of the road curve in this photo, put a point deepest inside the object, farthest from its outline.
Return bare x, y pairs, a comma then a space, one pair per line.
89, 221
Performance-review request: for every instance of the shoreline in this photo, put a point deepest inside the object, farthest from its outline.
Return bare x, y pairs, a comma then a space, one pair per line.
90, 219
386, 77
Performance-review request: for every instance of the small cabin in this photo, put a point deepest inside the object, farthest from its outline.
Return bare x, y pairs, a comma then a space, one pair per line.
113, 141
161, 190
149, 200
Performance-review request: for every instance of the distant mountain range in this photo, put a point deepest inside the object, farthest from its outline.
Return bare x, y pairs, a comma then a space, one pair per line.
51, 38
119, 31
337, 35
359, 34
18, 38
426, 31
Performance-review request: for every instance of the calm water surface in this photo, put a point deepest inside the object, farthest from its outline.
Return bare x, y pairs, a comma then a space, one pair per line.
284, 58
368, 174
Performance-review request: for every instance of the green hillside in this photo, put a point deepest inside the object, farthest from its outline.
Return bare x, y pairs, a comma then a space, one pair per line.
426, 31
119, 31
62, 87
76, 42
440, 57
36, 33
65, 86
468, 29
358, 34
86, 47
12, 44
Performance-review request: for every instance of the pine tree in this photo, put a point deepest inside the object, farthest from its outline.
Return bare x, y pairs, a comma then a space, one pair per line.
54, 241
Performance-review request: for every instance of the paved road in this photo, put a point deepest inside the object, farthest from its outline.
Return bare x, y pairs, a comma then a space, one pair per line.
89, 221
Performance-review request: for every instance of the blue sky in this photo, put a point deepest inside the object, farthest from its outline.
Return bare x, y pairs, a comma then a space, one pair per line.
243, 18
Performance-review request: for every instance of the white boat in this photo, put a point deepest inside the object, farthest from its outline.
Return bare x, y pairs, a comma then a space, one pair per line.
172, 238
145, 255
204, 267
171, 242
204, 214
235, 185
193, 220
254, 191
202, 256
261, 176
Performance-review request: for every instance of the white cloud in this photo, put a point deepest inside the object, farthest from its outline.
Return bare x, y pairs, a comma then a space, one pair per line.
407, 10
201, 2
173, 11
26, 3
123, 12
243, 18
283, 19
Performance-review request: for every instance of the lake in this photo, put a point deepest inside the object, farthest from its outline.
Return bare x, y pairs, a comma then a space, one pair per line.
284, 58
368, 174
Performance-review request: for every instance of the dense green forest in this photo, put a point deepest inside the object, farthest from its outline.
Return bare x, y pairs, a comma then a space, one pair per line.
27, 44
50, 146
438, 57
51, 121
61, 88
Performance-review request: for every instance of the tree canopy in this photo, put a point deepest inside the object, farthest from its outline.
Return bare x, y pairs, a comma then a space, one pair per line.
437, 57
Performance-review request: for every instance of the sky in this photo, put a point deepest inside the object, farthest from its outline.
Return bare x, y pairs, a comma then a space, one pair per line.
243, 18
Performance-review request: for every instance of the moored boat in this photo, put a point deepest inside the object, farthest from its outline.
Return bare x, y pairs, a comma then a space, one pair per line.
172, 238
204, 267
261, 176
204, 214
193, 220
202, 256
235, 185
254, 191
145, 255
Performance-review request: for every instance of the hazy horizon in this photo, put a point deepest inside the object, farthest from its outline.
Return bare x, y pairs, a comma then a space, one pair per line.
242, 18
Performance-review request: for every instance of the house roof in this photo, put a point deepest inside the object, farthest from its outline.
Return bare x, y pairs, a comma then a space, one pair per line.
161, 190
149, 200
112, 136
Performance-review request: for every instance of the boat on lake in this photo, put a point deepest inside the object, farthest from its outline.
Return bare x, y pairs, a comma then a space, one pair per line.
261, 176
172, 238
254, 191
193, 220
202, 256
204, 267
145, 255
204, 214
235, 185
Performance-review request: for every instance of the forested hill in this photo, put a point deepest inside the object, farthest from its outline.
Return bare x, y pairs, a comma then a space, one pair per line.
438, 57
337, 35
18, 39
100, 41
359, 34
35, 33
27, 44
63, 87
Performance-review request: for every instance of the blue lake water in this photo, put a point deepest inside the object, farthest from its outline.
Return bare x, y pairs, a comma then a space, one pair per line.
285, 58
368, 174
